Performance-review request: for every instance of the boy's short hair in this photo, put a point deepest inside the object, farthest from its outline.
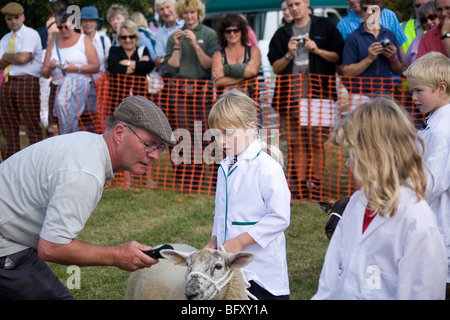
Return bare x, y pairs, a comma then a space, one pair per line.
432, 68
379, 3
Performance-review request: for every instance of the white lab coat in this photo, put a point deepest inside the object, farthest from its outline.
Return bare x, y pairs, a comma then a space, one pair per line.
254, 197
402, 257
437, 157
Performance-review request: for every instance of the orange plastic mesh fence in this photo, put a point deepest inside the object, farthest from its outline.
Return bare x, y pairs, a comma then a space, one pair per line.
297, 114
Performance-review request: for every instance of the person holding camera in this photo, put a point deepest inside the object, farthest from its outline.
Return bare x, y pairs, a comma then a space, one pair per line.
371, 51
188, 60
309, 47
70, 60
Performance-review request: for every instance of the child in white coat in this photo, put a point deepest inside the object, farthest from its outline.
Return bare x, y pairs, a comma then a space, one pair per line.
387, 244
252, 206
429, 82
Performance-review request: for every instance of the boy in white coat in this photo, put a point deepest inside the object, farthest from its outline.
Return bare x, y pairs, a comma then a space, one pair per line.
252, 207
429, 81
388, 244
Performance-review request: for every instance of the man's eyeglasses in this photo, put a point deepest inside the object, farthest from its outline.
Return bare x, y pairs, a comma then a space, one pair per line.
133, 36
429, 17
230, 31
149, 147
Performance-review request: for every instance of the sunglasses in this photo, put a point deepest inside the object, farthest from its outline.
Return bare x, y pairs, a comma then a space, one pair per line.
63, 27
133, 36
230, 31
428, 17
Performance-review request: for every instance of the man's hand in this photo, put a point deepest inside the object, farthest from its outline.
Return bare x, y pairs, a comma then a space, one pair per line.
130, 256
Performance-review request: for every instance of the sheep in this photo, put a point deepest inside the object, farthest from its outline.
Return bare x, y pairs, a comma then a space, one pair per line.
198, 275
335, 211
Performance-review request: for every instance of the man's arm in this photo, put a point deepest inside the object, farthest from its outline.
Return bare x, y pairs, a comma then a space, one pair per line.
128, 256
17, 58
355, 69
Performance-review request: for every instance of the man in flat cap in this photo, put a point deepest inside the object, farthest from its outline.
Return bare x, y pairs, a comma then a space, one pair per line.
50, 189
21, 61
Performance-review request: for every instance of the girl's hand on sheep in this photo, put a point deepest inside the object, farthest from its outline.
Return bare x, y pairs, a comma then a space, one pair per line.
238, 243
130, 256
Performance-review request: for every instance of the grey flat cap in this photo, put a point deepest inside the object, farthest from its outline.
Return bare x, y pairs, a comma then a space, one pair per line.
143, 113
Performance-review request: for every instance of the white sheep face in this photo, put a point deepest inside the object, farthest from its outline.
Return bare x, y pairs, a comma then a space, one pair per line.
204, 272
208, 271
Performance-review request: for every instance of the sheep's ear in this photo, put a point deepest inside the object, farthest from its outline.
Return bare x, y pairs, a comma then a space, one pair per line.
240, 259
177, 257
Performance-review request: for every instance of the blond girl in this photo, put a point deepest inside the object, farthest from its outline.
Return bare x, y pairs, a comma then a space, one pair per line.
387, 245
252, 206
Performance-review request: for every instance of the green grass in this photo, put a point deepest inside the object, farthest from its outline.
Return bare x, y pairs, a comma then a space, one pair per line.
156, 217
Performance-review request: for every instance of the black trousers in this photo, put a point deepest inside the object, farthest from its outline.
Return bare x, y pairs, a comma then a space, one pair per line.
262, 294
24, 276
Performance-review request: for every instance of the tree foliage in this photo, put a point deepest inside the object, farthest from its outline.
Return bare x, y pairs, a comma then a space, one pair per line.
37, 12
404, 7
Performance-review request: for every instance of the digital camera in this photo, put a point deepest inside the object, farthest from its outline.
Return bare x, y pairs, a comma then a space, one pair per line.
301, 41
385, 42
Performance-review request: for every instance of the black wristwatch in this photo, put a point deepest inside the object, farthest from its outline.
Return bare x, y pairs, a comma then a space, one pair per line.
447, 35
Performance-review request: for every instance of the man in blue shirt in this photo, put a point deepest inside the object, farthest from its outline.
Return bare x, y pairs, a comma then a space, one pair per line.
365, 56
354, 19
166, 9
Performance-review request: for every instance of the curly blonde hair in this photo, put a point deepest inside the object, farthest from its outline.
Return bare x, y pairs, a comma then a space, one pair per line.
187, 5
382, 143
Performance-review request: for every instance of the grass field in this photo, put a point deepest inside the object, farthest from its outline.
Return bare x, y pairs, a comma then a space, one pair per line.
156, 217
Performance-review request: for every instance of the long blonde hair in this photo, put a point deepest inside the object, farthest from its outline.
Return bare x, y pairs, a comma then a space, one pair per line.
235, 109
379, 137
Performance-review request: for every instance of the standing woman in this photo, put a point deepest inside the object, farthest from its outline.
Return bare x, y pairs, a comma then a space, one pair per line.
126, 59
89, 25
237, 61
70, 60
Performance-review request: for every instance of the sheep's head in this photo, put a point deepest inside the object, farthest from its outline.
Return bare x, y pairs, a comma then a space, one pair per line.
208, 271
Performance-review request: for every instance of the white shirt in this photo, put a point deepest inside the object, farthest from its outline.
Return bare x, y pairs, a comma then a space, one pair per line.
50, 189
399, 257
437, 157
254, 197
27, 40
102, 49
75, 54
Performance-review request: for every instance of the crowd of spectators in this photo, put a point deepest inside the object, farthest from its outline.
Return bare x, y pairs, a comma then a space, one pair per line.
369, 42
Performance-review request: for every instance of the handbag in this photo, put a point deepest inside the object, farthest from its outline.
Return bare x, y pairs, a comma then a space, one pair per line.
154, 81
